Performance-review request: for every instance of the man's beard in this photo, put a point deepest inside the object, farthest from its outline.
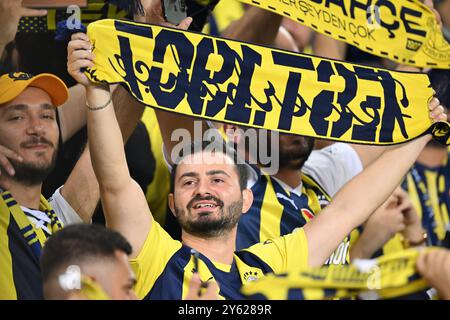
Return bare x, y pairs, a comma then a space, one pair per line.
207, 228
294, 159
32, 174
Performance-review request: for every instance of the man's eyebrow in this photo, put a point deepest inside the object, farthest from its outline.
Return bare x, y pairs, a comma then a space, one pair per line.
47, 106
213, 172
18, 107
188, 174
21, 107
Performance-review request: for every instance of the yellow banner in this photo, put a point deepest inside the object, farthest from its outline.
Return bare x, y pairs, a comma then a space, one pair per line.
387, 277
235, 82
405, 31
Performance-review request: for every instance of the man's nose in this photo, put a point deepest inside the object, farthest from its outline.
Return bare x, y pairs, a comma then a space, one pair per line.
35, 127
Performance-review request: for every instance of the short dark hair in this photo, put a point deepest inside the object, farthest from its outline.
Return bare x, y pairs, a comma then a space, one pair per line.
78, 243
200, 146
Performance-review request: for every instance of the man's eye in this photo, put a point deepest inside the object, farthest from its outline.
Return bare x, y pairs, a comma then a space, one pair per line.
48, 116
217, 180
15, 118
188, 183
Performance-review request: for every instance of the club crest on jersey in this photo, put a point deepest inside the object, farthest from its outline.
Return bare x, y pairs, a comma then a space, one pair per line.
250, 276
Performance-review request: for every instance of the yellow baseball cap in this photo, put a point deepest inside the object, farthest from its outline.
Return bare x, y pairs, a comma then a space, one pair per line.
13, 84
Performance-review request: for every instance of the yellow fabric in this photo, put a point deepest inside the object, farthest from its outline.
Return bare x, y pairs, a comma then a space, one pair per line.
151, 261
159, 188
224, 13
284, 254
8, 289
256, 86
34, 237
405, 31
386, 277
92, 290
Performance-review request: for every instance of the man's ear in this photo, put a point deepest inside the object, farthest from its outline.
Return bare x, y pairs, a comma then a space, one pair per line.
247, 196
233, 132
171, 204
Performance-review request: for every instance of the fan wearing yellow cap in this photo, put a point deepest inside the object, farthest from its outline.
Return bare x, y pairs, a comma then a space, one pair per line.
29, 137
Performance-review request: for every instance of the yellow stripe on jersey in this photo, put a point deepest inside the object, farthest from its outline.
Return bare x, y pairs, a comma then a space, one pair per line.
204, 273
7, 287
159, 188
431, 181
283, 254
271, 212
151, 261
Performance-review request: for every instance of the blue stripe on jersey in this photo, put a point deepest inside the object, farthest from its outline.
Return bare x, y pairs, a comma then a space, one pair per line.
25, 265
27, 228
250, 222
291, 217
295, 294
6, 196
11, 203
229, 282
253, 261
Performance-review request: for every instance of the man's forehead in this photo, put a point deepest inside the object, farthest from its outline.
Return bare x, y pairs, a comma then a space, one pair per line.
206, 161
31, 96
207, 158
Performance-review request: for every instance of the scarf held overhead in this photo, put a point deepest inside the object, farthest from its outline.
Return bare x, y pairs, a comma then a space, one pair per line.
235, 82
405, 31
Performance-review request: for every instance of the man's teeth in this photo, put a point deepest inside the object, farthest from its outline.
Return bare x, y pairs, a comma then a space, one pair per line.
205, 205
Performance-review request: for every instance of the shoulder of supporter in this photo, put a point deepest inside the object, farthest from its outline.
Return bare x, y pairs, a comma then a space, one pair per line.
65, 213
333, 166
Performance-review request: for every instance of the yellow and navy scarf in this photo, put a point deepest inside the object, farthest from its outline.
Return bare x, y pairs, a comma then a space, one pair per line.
255, 86
387, 277
405, 31
35, 237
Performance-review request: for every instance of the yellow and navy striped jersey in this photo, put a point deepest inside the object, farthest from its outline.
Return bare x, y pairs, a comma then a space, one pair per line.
21, 242
428, 189
164, 267
276, 211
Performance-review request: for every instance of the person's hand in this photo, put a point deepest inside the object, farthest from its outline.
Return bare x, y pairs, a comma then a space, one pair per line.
430, 4
386, 221
6, 167
154, 14
434, 266
5, 164
79, 55
437, 111
10, 13
413, 231
195, 285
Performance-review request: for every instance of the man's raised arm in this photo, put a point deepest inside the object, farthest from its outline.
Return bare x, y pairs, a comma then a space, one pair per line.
362, 195
124, 202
